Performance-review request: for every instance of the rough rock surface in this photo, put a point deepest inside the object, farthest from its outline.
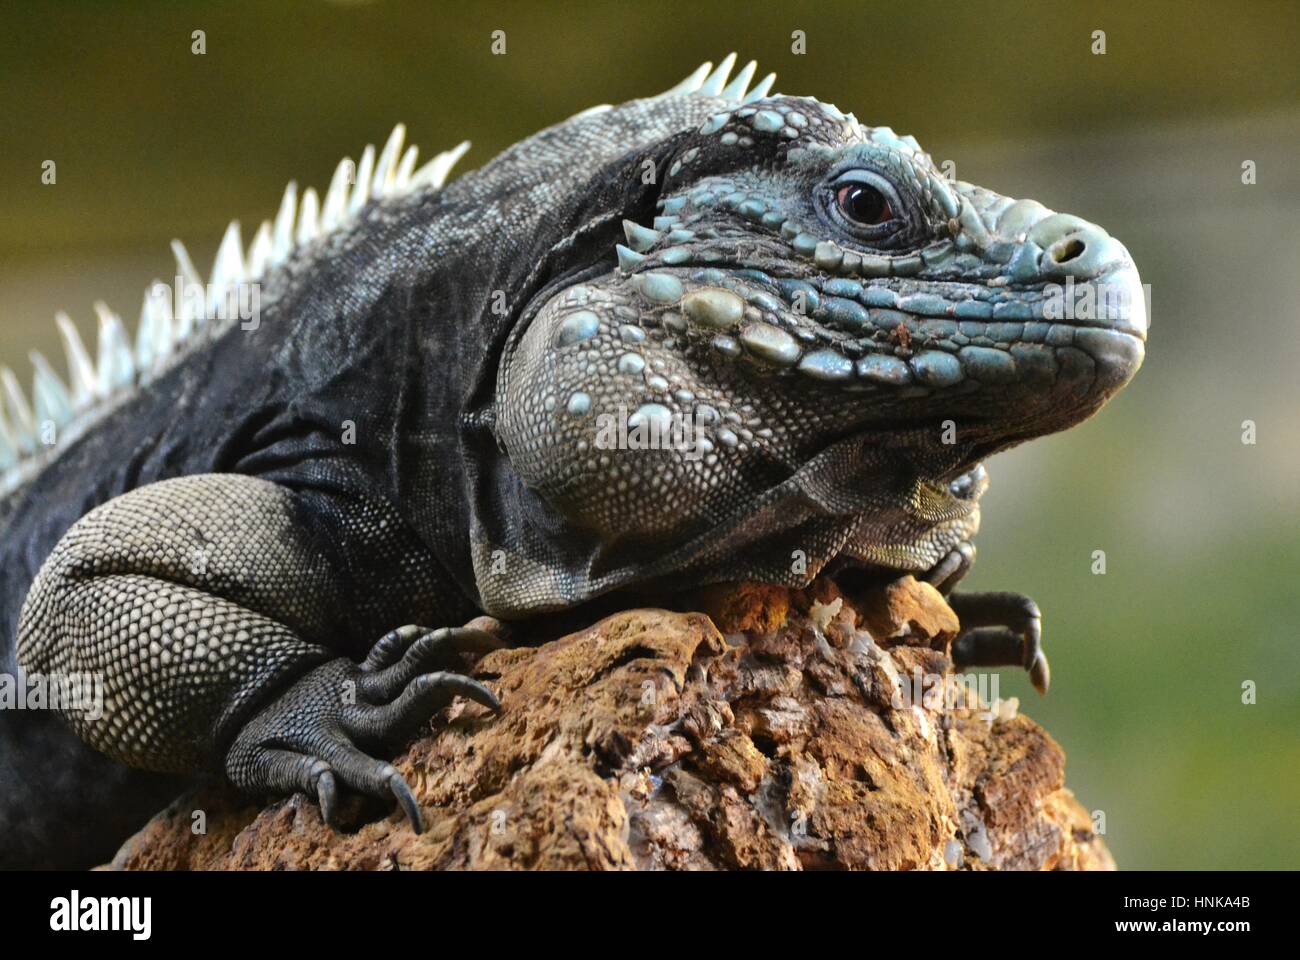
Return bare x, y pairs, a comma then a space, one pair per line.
781, 730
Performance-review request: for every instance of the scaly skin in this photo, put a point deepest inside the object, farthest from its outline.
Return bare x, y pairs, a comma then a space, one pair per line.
849, 334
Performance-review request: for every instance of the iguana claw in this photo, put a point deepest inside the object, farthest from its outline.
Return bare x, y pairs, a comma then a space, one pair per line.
406, 799
1040, 673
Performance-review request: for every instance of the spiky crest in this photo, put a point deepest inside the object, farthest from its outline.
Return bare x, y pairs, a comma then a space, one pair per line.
163, 334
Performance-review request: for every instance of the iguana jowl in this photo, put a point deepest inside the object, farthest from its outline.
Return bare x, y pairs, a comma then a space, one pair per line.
412, 431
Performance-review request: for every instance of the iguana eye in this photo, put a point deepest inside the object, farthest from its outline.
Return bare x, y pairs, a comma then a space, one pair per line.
863, 204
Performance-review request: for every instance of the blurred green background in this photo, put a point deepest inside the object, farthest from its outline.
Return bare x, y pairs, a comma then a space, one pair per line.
1201, 532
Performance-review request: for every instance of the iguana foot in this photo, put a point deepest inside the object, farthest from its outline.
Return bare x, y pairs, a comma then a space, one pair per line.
323, 730
998, 629
1001, 630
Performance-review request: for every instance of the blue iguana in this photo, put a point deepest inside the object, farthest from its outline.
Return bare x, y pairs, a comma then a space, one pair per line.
258, 532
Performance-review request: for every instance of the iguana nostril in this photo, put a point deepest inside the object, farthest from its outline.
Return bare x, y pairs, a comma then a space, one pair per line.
1067, 250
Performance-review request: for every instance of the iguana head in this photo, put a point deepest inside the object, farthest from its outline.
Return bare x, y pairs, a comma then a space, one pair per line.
840, 333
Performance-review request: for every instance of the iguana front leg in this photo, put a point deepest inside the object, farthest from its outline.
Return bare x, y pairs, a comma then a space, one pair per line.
212, 616
999, 629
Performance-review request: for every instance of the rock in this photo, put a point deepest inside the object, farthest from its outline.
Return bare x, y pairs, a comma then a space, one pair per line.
780, 730
909, 608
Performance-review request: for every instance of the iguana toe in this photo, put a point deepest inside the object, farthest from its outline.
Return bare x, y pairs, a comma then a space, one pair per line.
1001, 630
403, 654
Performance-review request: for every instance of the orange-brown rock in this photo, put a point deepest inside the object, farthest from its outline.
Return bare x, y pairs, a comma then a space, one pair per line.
798, 732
